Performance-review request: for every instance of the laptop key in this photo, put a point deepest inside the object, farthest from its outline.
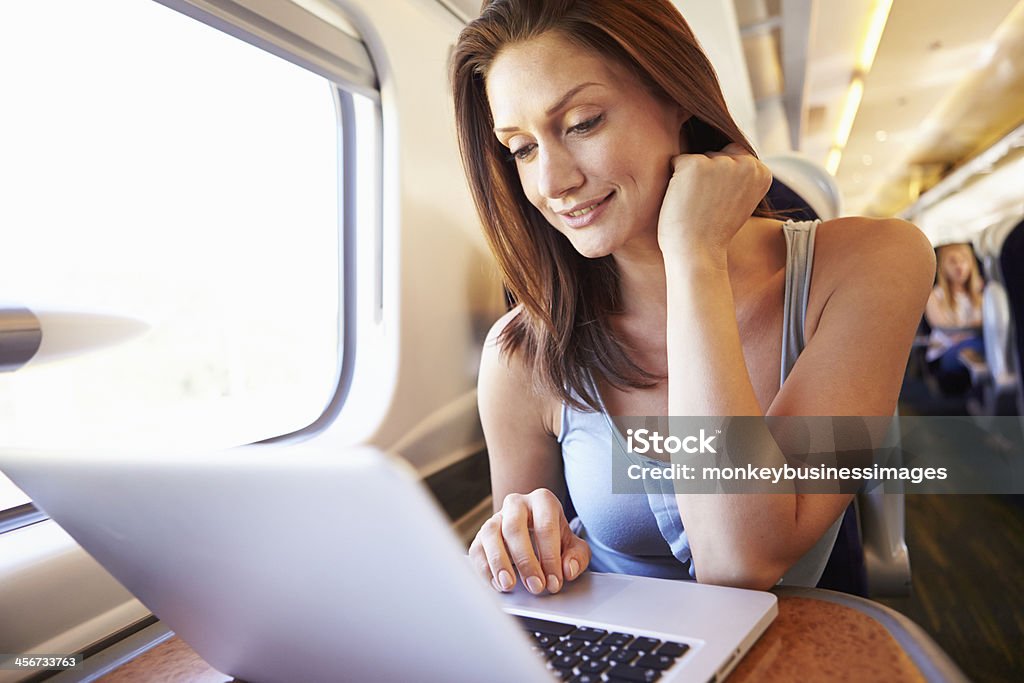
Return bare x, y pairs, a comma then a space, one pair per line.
569, 645
630, 674
645, 644
551, 628
623, 656
617, 639
636, 651
595, 651
660, 662
593, 666
672, 649
587, 678
544, 640
587, 633
567, 661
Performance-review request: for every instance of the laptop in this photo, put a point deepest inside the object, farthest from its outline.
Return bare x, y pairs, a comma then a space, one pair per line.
302, 563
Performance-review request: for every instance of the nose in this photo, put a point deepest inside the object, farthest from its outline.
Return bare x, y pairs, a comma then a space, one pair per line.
558, 172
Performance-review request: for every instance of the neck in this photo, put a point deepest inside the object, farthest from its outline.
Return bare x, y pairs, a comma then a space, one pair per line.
642, 280
641, 269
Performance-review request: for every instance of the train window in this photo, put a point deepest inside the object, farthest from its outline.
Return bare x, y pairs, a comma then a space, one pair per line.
157, 168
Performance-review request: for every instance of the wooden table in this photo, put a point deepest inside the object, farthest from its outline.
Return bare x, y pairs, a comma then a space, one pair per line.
818, 636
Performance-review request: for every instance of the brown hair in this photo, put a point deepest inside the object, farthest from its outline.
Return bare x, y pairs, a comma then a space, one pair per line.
974, 283
567, 299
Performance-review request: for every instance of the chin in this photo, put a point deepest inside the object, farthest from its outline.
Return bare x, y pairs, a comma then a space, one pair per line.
592, 251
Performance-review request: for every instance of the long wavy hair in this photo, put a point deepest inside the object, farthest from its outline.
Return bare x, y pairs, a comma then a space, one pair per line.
974, 283
567, 300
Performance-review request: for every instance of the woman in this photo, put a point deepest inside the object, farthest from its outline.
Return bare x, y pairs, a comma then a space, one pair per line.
954, 314
625, 209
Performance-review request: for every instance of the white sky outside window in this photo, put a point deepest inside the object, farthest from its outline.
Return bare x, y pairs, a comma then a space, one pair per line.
154, 167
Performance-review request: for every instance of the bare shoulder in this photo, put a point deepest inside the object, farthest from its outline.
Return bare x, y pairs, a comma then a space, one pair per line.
506, 386
873, 278
508, 367
889, 250
869, 262
501, 323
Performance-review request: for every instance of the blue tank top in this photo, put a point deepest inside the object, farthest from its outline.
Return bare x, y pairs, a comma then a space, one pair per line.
643, 534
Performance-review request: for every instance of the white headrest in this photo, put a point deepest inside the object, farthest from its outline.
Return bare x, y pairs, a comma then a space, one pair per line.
996, 328
808, 179
990, 242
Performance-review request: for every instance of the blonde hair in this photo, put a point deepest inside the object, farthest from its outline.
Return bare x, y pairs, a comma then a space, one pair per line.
974, 282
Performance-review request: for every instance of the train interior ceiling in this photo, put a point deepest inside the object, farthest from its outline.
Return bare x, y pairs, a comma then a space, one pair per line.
267, 237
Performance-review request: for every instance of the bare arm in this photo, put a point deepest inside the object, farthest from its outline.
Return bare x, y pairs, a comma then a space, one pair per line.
852, 366
518, 425
528, 532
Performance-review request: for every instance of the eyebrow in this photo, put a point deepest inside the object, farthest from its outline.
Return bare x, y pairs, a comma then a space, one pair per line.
557, 105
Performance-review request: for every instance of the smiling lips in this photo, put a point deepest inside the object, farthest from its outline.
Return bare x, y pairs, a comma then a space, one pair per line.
585, 213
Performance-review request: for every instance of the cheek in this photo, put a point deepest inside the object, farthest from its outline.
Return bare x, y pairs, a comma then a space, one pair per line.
652, 180
651, 159
529, 185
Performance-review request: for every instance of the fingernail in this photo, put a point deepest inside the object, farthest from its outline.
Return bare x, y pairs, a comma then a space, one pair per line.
552, 583
574, 568
505, 579
534, 584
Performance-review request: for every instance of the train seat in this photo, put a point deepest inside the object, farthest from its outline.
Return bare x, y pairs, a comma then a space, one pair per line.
1011, 266
999, 377
806, 186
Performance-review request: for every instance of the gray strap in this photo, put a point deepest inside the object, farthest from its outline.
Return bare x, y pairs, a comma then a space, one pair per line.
799, 261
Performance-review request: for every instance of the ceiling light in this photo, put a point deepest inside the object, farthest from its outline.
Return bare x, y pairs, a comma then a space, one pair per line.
832, 163
987, 52
866, 159
881, 135
874, 35
853, 97
879, 17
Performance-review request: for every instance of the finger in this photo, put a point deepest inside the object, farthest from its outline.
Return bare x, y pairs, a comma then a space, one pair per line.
478, 559
575, 554
499, 565
735, 149
679, 162
547, 514
515, 530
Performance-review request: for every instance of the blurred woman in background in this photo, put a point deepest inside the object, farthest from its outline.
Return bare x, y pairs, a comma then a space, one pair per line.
954, 314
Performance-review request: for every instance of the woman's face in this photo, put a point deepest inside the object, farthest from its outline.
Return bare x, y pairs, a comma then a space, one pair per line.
592, 146
956, 264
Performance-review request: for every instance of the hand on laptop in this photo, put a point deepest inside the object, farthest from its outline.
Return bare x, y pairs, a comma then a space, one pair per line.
530, 535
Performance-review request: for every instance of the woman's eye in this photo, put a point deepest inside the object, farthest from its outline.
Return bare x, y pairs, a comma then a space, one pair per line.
586, 125
521, 153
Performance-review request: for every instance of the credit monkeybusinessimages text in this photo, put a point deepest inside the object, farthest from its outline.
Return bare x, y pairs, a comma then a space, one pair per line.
820, 472
644, 441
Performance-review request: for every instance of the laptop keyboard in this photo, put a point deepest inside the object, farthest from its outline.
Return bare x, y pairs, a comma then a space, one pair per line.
581, 654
